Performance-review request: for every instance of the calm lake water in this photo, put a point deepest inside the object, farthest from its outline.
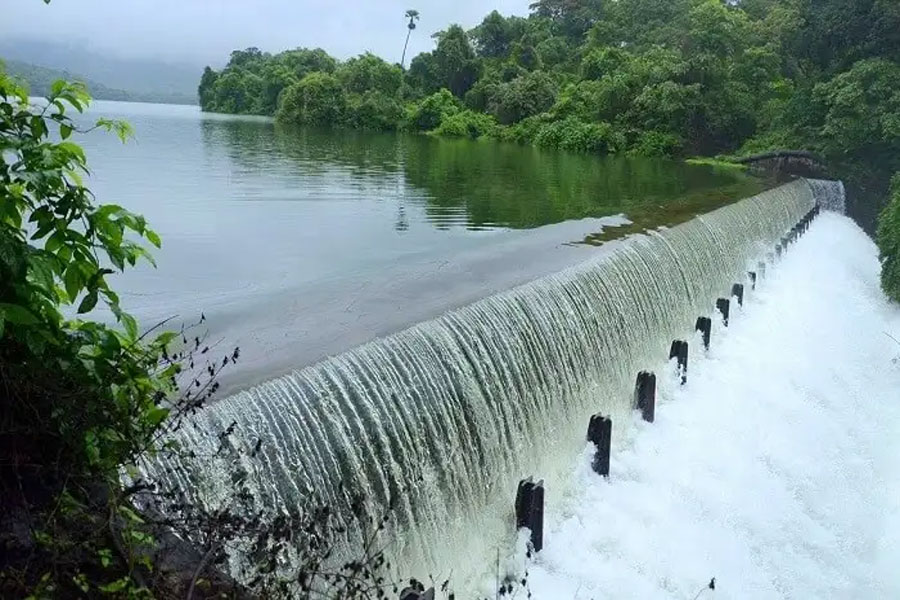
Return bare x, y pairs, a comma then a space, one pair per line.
299, 244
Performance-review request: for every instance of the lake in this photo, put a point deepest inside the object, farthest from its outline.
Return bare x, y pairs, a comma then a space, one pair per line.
298, 244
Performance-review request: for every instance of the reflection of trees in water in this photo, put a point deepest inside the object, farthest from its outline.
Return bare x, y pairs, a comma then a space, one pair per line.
460, 182
521, 186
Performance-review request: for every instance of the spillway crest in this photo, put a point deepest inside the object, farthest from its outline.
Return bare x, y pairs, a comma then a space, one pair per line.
446, 416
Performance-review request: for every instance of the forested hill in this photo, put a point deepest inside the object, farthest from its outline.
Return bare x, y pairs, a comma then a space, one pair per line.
145, 79
653, 77
40, 79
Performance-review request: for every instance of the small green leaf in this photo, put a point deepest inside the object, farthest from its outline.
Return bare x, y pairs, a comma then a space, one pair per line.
116, 586
88, 304
74, 281
57, 87
153, 237
17, 314
156, 415
130, 324
65, 131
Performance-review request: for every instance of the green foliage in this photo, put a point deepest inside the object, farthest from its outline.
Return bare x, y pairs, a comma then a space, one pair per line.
366, 73
375, 111
578, 136
656, 143
652, 77
430, 112
888, 239
524, 96
861, 108
456, 66
467, 124
603, 61
317, 99
252, 81
82, 400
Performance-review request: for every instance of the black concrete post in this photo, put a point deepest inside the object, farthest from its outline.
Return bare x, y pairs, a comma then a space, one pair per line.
523, 502
645, 395
738, 290
679, 351
752, 276
530, 510
412, 593
704, 326
599, 433
724, 307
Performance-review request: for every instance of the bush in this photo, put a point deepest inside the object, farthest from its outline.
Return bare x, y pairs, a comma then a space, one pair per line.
522, 97
317, 99
656, 143
578, 136
602, 61
428, 114
467, 124
374, 110
889, 242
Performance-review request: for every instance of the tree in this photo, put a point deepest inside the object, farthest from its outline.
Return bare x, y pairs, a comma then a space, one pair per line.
367, 72
206, 89
317, 99
456, 66
428, 114
413, 16
862, 109
531, 94
889, 242
493, 36
571, 18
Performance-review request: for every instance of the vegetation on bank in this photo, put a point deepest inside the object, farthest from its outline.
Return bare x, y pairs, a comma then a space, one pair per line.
653, 77
889, 242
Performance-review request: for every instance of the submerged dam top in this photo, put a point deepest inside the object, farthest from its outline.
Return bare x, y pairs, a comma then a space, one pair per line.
297, 245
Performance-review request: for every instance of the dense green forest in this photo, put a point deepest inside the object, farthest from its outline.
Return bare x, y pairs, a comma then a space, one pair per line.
648, 77
653, 77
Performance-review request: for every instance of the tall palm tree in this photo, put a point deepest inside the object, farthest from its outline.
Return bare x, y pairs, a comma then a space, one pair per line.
413, 16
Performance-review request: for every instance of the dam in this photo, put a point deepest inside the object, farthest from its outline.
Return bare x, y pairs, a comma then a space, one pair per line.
437, 423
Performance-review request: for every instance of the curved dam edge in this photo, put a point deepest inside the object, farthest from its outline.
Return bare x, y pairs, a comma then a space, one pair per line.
446, 416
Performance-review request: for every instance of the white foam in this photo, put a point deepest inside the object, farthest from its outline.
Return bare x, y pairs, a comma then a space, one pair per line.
775, 470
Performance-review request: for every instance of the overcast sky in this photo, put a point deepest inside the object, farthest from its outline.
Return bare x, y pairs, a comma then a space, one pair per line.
205, 31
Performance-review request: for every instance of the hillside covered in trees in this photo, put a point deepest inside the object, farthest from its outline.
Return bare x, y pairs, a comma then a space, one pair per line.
40, 83
652, 77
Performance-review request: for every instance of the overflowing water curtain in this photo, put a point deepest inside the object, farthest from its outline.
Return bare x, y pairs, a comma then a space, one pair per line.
446, 417
830, 194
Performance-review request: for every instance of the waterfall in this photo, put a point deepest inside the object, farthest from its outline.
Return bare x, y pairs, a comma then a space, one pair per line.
830, 194
446, 416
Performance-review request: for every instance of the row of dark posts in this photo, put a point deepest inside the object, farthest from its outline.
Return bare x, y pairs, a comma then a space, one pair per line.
530, 495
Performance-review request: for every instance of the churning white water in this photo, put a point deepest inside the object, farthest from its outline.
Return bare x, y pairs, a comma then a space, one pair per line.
447, 416
776, 469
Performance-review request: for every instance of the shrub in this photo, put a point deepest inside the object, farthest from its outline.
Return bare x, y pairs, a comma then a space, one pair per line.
656, 143
374, 110
578, 136
525, 96
317, 99
428, 114
467, 124
889, 242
